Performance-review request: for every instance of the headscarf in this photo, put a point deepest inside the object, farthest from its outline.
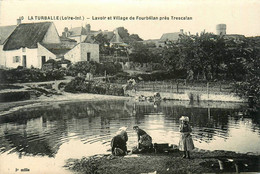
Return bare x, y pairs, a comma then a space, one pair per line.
185, 118
122, 131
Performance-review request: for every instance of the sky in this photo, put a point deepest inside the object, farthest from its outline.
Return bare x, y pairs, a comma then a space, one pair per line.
240, 16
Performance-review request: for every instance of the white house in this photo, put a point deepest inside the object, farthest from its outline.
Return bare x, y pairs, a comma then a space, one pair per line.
32, 44
83, 52
24, 47
5, 32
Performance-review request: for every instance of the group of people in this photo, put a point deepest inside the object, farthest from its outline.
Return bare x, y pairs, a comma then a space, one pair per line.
119, 148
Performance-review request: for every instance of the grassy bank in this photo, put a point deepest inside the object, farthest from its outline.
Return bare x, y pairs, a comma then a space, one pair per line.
200, 162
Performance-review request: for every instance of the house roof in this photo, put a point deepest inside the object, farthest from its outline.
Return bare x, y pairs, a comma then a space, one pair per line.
94, 32
58, 49
150, 41
89, 39
65, 39
27, 35
109, 34
5, 32
170, 36
234, 36
77, 31
116, 39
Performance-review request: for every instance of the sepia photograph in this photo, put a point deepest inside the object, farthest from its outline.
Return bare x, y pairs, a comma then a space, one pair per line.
129, 87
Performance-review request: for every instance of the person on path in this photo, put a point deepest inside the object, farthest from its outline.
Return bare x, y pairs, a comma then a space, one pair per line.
186, 142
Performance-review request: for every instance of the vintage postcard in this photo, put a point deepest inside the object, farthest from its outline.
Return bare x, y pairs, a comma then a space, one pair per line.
133, 86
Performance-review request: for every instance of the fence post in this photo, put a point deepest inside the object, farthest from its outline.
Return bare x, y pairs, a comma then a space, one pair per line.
177, 86
105, 74
208, 89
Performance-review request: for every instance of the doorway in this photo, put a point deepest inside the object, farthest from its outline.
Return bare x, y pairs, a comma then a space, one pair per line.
43, 60
88, 56
24, 61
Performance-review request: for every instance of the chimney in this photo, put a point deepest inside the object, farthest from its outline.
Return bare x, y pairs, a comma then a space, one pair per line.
19, 21
65, 32
88, 28
117, 35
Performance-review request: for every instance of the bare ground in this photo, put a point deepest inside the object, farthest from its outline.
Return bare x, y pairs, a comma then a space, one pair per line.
165, 163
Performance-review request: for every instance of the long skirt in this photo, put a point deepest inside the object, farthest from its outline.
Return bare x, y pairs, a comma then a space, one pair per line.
145, 140
186, 142
118, 152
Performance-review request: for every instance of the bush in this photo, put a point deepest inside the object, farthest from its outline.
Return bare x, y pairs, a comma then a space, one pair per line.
95, 68
15, 96
76, 85
29, 75
79, 85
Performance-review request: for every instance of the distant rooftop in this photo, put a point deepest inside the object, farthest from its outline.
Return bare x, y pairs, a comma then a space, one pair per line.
171, 36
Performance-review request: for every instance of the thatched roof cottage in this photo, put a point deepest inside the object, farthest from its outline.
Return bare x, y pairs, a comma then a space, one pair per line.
32, 44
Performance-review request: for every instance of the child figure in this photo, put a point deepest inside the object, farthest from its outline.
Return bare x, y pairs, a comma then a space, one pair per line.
186, 143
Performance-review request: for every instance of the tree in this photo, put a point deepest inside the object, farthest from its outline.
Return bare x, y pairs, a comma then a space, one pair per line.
202, 54
104, 44
140, 53
127, 38
250, 86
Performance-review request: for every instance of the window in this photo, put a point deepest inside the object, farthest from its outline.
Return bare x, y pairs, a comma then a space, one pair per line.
88, 56
16, 59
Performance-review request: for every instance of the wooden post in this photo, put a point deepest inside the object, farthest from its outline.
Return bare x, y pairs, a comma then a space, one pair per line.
105, 75
162, 86
208, 89
177, 86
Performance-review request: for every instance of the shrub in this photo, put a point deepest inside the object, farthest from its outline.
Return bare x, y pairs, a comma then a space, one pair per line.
29, 75
14, 96
76, 85
80, 85
95, 68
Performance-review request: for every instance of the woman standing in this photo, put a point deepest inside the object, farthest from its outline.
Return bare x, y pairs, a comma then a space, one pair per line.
186, 142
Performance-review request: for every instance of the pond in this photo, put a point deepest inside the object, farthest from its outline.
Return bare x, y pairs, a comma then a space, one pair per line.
40, 139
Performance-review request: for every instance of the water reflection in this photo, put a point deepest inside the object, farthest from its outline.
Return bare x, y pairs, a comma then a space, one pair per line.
42, 131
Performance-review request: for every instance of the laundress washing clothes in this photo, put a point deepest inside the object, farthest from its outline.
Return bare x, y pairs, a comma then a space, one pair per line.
186, 143
144, 140
118, 143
